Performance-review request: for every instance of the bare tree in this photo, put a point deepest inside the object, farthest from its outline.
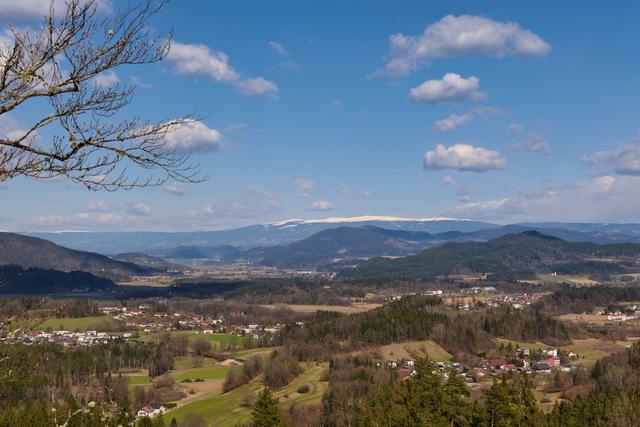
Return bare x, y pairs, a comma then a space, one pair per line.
92, 143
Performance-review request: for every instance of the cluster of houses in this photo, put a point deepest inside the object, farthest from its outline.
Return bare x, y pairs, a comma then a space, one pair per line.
515, 300
151, 410
543, 361
62, 337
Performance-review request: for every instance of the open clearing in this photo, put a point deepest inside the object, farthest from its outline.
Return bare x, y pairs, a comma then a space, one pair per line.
413, 349
573, 279
97, 323
309, 308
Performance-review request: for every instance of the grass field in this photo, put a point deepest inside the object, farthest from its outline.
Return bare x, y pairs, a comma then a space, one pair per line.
310, 308
412, 349
202, 373
573, 279
78, 323
227, 410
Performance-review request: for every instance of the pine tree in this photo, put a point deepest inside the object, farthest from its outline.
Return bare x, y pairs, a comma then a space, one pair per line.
265, 412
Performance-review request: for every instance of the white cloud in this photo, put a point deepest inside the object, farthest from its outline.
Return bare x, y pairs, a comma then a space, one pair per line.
288, 63
452, 87
464, 157
258, 87
107, 79
279, 49
199, 59
37, 9
97, 205
12, 129
194, 136
321, 206
455, 36
453, 121
366, 192
176, 189
304, 186
601, 199
139, 209
624, 160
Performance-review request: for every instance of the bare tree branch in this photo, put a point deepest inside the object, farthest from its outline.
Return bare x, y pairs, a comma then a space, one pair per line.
91, 143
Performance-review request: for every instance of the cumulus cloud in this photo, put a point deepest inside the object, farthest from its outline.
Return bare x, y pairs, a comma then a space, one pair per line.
107, 79
194, 136
464, 157
452, 87
366, 192
455, 36
139, 209
624, 160
304, 186
601, 199
199, 59
321, 206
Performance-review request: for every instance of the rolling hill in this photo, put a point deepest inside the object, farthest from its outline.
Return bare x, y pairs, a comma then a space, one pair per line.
343, 245
523, 253
32, 252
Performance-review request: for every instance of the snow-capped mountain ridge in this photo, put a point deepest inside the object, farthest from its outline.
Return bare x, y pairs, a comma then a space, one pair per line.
364, 218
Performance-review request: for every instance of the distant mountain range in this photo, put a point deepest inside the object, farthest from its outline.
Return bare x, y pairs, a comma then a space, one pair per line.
262, 235
523, 254
32, 252
286, 232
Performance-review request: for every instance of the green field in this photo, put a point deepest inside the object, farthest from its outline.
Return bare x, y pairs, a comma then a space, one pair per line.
226, 409
202, 373
78, 323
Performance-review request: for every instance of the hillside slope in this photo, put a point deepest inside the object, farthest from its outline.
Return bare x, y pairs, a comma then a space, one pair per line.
32, 252
341, 245
526, 252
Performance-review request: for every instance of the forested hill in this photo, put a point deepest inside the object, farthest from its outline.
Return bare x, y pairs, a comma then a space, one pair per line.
344, 244
26, 251
523, 253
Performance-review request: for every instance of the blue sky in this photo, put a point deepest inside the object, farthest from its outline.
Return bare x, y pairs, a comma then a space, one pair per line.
485, 110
